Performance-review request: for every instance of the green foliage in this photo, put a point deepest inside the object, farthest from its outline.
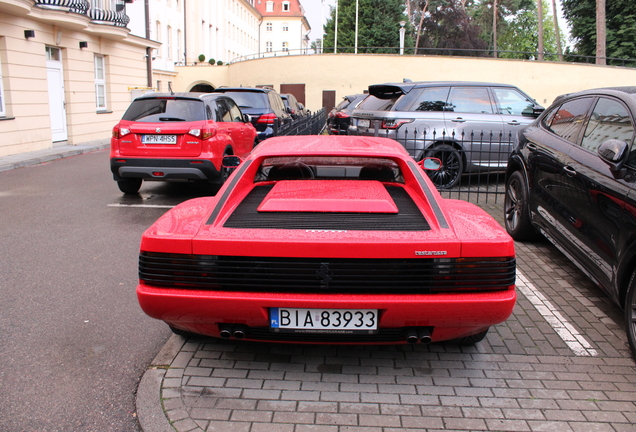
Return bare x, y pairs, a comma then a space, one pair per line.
378, 26
219, 63
212, 61
520, 34
201, 57
620, 18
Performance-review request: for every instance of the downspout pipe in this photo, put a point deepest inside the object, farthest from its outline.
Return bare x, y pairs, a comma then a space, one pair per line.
148, 49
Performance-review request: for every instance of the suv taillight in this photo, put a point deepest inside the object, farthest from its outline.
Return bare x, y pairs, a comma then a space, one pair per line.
119, 132
203, 134
340, 114
267, 119
394, 123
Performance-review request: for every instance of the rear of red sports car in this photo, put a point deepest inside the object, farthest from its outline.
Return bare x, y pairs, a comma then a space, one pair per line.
328, 240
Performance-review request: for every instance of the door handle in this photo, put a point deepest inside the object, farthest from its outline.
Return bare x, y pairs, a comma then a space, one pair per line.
458, 120
532, 147
514, 123
569, 171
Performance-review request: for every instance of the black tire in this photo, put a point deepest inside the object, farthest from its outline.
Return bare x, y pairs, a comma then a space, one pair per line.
630, 314
472, 339
452, 166
184, 333
129, 185
517, 210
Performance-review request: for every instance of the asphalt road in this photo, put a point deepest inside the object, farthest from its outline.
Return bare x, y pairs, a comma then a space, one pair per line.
73, 341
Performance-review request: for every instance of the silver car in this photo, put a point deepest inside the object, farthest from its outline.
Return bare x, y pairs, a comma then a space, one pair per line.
470, 126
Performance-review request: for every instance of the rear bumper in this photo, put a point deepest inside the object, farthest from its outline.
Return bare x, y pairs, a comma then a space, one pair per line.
448, 316
164, 169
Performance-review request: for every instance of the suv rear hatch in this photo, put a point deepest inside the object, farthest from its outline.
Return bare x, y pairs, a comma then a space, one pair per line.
163, 126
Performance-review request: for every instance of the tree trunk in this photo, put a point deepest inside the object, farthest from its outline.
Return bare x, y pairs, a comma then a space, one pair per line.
419, 27
601, 32
540, 48
556, 30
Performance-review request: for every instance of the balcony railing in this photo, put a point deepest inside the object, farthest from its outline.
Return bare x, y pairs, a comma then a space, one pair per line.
108, 12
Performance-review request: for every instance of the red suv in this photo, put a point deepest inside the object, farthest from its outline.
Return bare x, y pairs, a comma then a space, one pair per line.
180, 136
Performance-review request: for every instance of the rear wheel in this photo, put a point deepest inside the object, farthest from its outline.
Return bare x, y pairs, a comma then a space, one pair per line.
517, 210
452, 166
130, 185
630, 314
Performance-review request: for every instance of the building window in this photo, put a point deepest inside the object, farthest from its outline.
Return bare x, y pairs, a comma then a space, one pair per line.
285, 46
158, 86
269, 26
285, 27
269, 47
286, 6
269, 6
169, 42
158, 38
100, 83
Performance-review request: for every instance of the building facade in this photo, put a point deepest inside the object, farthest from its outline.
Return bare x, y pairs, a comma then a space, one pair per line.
284, 28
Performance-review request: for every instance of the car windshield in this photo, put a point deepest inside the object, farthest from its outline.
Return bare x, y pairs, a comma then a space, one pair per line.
169, 109
248, 99
329, 168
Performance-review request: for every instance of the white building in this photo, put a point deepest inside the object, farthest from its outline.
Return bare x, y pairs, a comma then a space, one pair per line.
284, 28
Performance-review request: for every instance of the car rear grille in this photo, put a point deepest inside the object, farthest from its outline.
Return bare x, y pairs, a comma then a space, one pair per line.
383, 335
408, 218
326, 275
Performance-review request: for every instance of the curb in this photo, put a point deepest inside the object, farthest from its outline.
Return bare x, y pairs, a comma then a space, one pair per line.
148, 402
47, 155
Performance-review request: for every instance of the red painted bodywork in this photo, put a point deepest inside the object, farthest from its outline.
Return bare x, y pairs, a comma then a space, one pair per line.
457, 228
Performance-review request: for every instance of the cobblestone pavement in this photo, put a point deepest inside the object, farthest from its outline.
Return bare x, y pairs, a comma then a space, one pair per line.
560, 363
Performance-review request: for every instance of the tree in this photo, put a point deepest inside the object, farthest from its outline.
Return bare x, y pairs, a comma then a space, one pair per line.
620, 17
520, 35
445, 28
378, 26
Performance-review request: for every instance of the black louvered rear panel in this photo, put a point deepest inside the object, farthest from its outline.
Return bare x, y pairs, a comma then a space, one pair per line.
328, 275
408, 218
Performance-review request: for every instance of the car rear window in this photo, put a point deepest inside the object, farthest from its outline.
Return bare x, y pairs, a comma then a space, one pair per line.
372, 103
165, 110
248, 99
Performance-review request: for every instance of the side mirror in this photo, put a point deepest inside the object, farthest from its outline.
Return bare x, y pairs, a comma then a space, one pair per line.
430, 164
613, 152
247, 118
231, 162
288, 110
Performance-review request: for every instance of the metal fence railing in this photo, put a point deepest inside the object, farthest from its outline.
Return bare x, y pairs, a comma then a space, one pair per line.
312, 124
473, 162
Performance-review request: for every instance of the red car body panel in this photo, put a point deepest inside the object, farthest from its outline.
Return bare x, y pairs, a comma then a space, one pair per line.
457, 231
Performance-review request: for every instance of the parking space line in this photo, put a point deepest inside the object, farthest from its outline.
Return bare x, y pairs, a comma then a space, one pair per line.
141, 205
573, 339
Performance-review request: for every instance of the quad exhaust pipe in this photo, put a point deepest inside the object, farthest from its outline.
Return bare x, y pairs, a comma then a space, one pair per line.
236, 331
414, 335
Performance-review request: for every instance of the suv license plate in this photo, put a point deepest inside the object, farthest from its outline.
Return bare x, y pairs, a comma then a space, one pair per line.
159, 139
324, 320
364, 123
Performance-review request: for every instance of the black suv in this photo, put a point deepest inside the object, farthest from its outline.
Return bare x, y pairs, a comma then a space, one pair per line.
264, 106
571, 178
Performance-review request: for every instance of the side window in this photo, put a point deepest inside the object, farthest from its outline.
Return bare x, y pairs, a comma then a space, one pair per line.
209, 113
473, 100
567, 120
223, 110
609, 120
235, 112
511, 102
431, 99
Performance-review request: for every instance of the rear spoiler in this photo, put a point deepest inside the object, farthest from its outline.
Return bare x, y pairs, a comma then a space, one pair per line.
389, 91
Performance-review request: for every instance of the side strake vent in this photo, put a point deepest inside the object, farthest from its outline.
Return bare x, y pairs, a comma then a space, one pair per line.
408, 218
328, 275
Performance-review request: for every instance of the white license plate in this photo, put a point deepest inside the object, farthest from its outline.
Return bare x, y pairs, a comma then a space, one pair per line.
159, 139
323, 320
364, 123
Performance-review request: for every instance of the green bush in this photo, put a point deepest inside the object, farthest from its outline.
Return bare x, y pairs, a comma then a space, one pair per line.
212, 62
219, 63
201, 57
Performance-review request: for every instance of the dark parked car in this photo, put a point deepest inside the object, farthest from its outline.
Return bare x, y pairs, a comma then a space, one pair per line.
178, 136
468, 125
264, 106
571, 178
294, 108
339, 118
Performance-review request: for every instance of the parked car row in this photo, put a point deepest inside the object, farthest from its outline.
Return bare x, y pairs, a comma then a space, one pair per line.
184, 136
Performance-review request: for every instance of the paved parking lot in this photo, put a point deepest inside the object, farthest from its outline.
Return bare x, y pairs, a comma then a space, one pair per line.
560, 363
